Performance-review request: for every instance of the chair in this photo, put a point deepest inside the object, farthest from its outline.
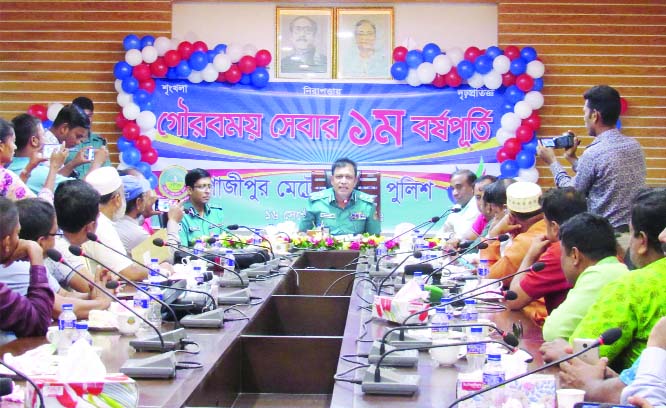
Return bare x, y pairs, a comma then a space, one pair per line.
369, 182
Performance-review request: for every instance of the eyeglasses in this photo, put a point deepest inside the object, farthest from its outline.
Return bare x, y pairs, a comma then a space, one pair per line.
57, 234
203, 187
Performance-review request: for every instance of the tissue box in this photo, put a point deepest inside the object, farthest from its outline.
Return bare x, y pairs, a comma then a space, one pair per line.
116, 390
533, 390
387, 308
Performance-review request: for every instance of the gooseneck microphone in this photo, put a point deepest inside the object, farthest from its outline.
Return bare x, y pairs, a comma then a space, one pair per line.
25, 377
608, 337
415, 254
234, 227
192, 212
500, 238
94, 238
432, 221
6, 386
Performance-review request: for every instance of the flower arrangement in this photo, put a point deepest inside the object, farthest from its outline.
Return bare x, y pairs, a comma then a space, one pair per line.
309, 242
433, 242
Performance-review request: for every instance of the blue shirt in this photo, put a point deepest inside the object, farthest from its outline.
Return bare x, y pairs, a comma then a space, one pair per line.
192, 227
37, 176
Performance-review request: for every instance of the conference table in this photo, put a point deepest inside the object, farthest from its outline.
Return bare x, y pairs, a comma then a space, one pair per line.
288, 349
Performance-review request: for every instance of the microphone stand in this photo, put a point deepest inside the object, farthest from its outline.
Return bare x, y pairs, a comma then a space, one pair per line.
432, 220
416, 255
234, 227
94, 238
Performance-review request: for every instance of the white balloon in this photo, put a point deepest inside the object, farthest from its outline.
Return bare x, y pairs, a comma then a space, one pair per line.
502, 136
455, 54
131, 111
413, 77
534, 99
209, 74
475, 81
510, 122
530, 175
409, 43
146, 120
250, 49
149, 54
492, 80
118, 84
235, 52
522, 110
133, 57
222, 62
173, 44
535, 69
501, 64
442, 64
150, 133
53, 110
162, 45
124, 98
426, 73
195, 77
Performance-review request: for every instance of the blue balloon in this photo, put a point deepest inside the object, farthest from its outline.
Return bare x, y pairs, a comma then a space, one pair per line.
518, 66
494, 52
131, 42
123, 144
153, 181
399, 70
531, 146
198, 60
221, 48
47, 124
528, 54
465, 69
148, 105
211, 55
147, 40
414, 58
172, 73
131, 156
430, 51
246, 79
144, 168
260, 77
122, 70
141, 97
618, 125
525, 159
513, 94
509, 169
507, 107
483, 64
183, 69
538, 84
130, 85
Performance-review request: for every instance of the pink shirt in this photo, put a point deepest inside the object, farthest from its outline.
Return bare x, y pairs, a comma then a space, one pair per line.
480, 224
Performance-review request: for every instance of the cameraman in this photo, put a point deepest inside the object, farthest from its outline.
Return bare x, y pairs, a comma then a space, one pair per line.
611, 170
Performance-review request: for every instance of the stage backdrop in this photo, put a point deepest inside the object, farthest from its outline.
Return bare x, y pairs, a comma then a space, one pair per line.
262, 144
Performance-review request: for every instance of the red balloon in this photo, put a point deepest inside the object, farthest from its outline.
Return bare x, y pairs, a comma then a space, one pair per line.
472, 53
502, 155
263, 58
452, 78
623, 106
533, 121
508, 79
524, 82
141, 72
199, 46
171, 58
233, 74
399, 54
148, 85
221, 77
247, 64
131, 131
512, 147
143, 143
121, 120
159, 68
149, 156
524, 133
439, 81
38, 111
185, 49
512, 52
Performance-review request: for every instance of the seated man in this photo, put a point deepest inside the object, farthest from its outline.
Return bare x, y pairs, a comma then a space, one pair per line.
28, 315
112, 205
94, 141
589, 262
558, 204
457, 224
342, 209
494, 198
481, 224
207, 220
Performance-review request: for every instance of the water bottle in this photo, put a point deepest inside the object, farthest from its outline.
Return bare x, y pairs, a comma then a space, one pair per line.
483, 270
440, 324
141, 304
493, 372
476, 352
154, 314
154, 276
198, 275
66, 328
199, 247
82, 332
415, 240
418, 278
469, 313
380, 251
256, 237
230, 260
216, 244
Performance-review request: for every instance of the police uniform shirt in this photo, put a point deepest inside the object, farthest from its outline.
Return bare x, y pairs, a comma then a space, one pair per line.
192, 227
359, 216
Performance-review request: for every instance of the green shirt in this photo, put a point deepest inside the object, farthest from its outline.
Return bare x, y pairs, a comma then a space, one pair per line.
95, 141
358, 217
37, 176
633, 303
562, 321
192, 227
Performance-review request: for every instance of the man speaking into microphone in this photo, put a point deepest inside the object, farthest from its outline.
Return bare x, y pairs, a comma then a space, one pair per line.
342, 209
209, 220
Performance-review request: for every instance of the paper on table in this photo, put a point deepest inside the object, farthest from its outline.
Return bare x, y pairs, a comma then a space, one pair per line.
161, 253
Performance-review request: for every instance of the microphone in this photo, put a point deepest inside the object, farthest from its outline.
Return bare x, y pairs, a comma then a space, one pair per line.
93, 237
415, 254
536, 267
500, 238
234, 227
608, 337
432, 221
6, 386
192, 212
24, 377
390, 254
480, 245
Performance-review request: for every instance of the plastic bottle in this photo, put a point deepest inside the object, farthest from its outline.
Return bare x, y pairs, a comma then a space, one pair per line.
141, 303
256, 237
154, 276
198, 275
82, 332
469, 313
66, 328
154, 314
483, 269
476, 352
380, 251
493, 372
199, 247
440, 324
418, 278
216, 244
230, 260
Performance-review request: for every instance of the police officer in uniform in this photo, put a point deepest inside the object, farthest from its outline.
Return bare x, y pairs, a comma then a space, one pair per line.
199, 186
341, 208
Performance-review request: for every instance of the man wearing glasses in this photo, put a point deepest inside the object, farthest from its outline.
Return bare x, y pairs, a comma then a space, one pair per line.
365, 59
207, 220
304, 56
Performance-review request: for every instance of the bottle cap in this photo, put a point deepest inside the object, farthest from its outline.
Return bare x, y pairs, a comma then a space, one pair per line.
418, 273
445, 300
470, 301
494, 357
476, 329
82, 325
154, 260
67, 306
440, 309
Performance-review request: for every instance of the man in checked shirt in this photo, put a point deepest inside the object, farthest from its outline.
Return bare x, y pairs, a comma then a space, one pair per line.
611, 170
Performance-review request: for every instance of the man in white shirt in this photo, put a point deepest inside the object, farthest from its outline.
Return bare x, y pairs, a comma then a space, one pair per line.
462, 182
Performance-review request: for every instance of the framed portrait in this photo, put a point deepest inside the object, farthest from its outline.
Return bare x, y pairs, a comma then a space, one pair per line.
364, 42
304, 42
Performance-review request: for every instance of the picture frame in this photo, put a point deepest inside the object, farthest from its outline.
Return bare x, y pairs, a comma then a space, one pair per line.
304, 42
364, 39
